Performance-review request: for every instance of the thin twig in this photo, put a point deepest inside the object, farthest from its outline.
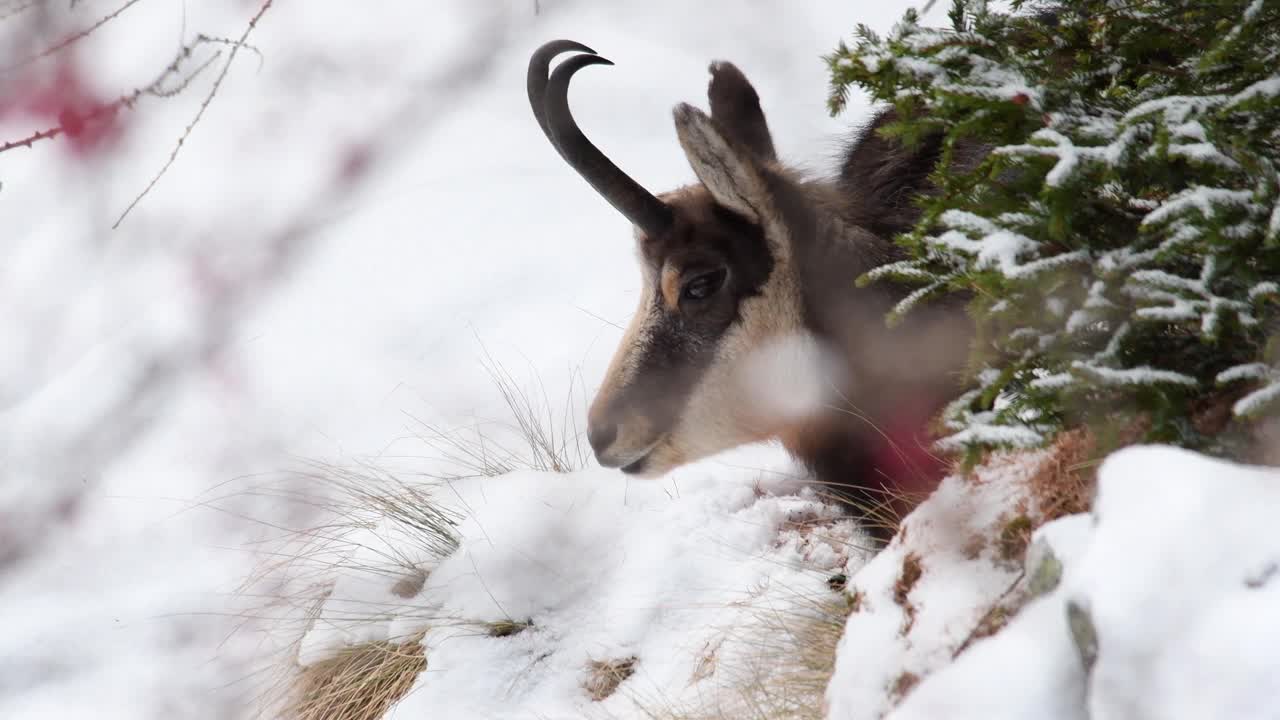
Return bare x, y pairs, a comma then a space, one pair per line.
204, 105
128, 101
597, 317
18, 9
70, 40
34, 137
998, 605
216, 40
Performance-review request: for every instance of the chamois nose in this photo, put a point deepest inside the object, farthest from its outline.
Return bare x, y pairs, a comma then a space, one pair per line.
602, 434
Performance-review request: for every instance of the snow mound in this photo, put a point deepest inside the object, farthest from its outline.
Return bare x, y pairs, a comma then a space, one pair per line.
1162, 605
1157, 604
923, 598
678, 582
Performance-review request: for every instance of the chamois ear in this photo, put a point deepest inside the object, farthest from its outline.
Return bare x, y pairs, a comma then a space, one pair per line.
728, 170
735, 106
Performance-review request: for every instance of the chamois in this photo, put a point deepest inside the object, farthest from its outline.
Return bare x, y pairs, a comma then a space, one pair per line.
750, 325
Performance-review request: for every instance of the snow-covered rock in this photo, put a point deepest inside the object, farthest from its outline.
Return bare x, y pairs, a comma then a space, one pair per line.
921, 599
1175, 578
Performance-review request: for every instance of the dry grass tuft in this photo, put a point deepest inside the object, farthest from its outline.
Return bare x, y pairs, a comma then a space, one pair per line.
907, 579
786, 677
1064, 483
366, 523
882, 516
604, 676
798, 691
912, 570
903, 685
507, 628
361, 682
371, 521
376, 523
974, 546
533, 436
991, 622
1015, 538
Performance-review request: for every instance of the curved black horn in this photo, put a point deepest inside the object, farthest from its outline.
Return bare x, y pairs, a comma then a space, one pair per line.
539, 68
624, 194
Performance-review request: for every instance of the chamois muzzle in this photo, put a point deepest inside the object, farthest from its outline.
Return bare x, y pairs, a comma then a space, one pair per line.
620, 439
549, 98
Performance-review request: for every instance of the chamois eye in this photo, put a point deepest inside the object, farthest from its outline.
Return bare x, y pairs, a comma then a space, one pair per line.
704, 285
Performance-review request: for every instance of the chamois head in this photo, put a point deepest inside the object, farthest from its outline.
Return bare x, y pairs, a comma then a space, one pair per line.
718, 286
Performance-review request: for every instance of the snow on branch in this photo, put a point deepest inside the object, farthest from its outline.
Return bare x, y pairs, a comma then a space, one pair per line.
994, 245
1261, 399
1133, 376
1206, 200
1188, 299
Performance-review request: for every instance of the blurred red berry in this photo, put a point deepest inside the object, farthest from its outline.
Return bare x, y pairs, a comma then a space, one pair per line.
63, 98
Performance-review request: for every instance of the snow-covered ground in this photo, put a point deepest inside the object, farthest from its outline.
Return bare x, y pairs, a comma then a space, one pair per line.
693, 583
713, 586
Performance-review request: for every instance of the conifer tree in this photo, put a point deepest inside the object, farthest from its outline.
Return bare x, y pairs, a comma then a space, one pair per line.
1121, 240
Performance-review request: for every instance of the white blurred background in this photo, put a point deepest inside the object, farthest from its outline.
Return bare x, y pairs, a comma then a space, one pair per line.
364, 209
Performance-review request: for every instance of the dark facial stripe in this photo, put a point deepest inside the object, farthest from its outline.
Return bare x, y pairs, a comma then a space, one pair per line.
682, 334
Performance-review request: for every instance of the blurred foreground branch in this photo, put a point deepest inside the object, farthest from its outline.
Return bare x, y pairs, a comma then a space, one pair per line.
66, 457
73, 122
204, 105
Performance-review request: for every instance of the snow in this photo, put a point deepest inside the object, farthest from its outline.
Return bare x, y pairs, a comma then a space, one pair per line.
1069, 155
906, 304
1026, 670
981, 426
693, 567
1250, 371
893, 634
1267, 88
999, 247
1176, 109
952, 68
905, 269
988, 433
1203, 152
1205, 199
1264, 290
987, 80
1066, 152
1184, 619
1095, 306
1204, 305
1143, 375
683, 575
1053, 381
1259, 400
